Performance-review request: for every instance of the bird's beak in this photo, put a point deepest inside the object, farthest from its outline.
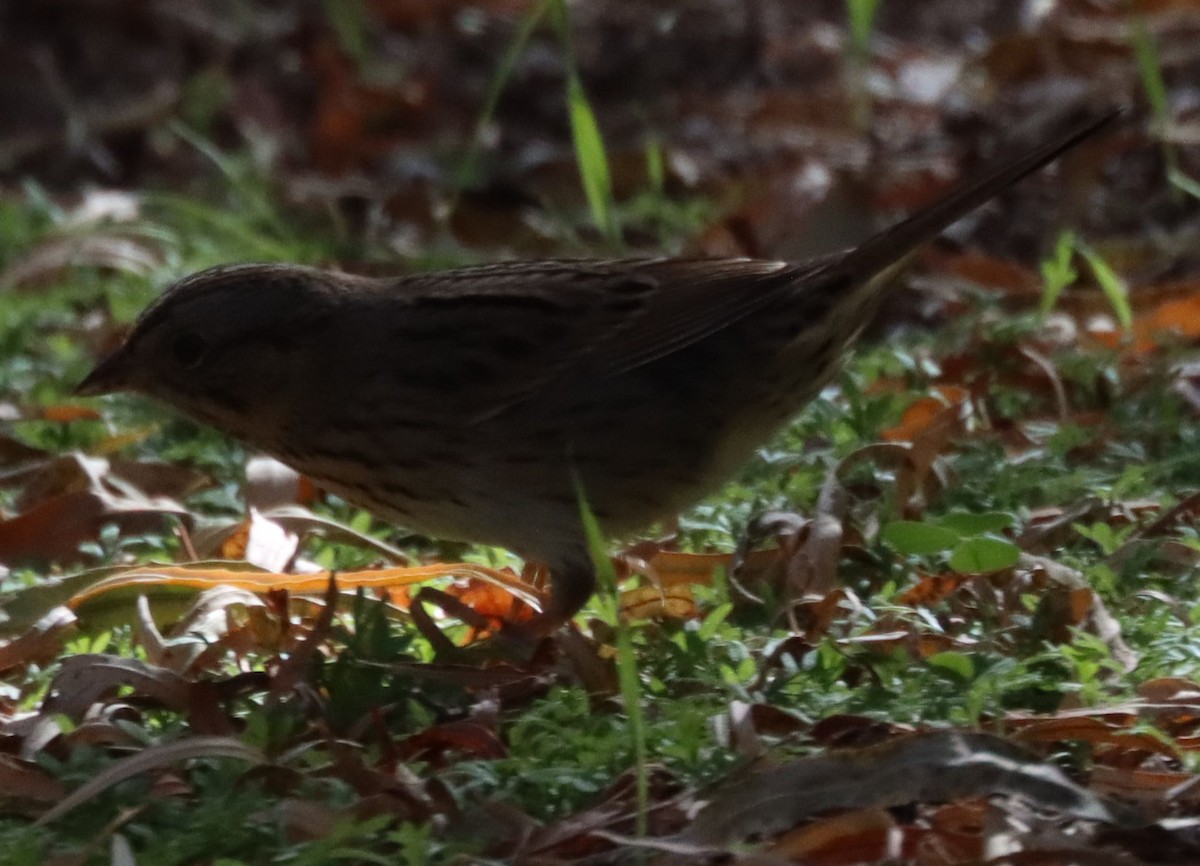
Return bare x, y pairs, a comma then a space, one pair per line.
109, 376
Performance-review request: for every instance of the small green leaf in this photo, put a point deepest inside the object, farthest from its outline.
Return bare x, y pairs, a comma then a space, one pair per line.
590, 156
920, 539
1101, 534
1145, 50
713, 621
956, 663
984, 554
1114, 288
966, 523
861, 16
1183, 182
1058, 271
655, 164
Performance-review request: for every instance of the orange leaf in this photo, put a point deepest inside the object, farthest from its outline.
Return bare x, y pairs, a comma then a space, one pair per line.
235, 543
647, 602
1179, 318
265, 582
864, 836
1147, 786
672, 567
927, 412
485, 598
65, 413
931, 589
983, 269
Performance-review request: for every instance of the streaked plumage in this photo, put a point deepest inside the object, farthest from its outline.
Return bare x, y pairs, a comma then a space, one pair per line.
458, 403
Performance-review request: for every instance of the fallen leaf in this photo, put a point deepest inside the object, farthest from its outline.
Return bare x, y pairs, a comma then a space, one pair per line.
938, 767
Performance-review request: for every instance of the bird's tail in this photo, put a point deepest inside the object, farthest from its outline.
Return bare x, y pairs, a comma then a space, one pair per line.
893, 244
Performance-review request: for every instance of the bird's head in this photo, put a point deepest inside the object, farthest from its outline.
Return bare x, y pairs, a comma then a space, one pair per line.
222, 344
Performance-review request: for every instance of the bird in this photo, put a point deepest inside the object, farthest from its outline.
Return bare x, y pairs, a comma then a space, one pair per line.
482, 403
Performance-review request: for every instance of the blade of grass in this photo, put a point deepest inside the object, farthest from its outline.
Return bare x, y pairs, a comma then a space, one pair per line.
255, 200
627, 672
350, 24
1183, 181
590, 156
860, 17
492, 98
1145, 51
1058, 271
238, 229
1114, 288
656, 171
592, 161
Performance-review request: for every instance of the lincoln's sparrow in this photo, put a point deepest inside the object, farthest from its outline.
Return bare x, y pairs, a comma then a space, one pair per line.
465, 404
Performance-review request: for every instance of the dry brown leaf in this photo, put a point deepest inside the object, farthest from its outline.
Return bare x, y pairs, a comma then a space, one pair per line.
933, 767
945, 408
48, 261
83, 680
984, 269
66, 413
1151, 787
293, 670
649, 602
744, 726
860, 836
25, 780
932, 589
1094, 731
54, 529
812, 568
40, 643
1086, 605
467, 737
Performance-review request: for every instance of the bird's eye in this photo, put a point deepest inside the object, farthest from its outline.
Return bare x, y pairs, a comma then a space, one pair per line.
189, 349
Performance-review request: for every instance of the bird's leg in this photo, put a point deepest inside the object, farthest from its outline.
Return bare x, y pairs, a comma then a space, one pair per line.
572, 582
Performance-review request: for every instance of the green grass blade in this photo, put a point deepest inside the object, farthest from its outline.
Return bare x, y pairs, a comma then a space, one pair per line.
1145, 51
590, 156
591, 159
1058, 271
1114, 288
351, 25
861, 16
492, 98
627, 671
656, 171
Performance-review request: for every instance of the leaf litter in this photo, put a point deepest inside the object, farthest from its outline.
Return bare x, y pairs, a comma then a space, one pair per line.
237, 647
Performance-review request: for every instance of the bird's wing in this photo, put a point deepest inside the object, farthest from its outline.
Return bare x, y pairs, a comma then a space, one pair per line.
496, 334
696, 298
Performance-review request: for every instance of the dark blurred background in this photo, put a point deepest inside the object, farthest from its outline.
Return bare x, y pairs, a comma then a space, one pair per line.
759, 111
